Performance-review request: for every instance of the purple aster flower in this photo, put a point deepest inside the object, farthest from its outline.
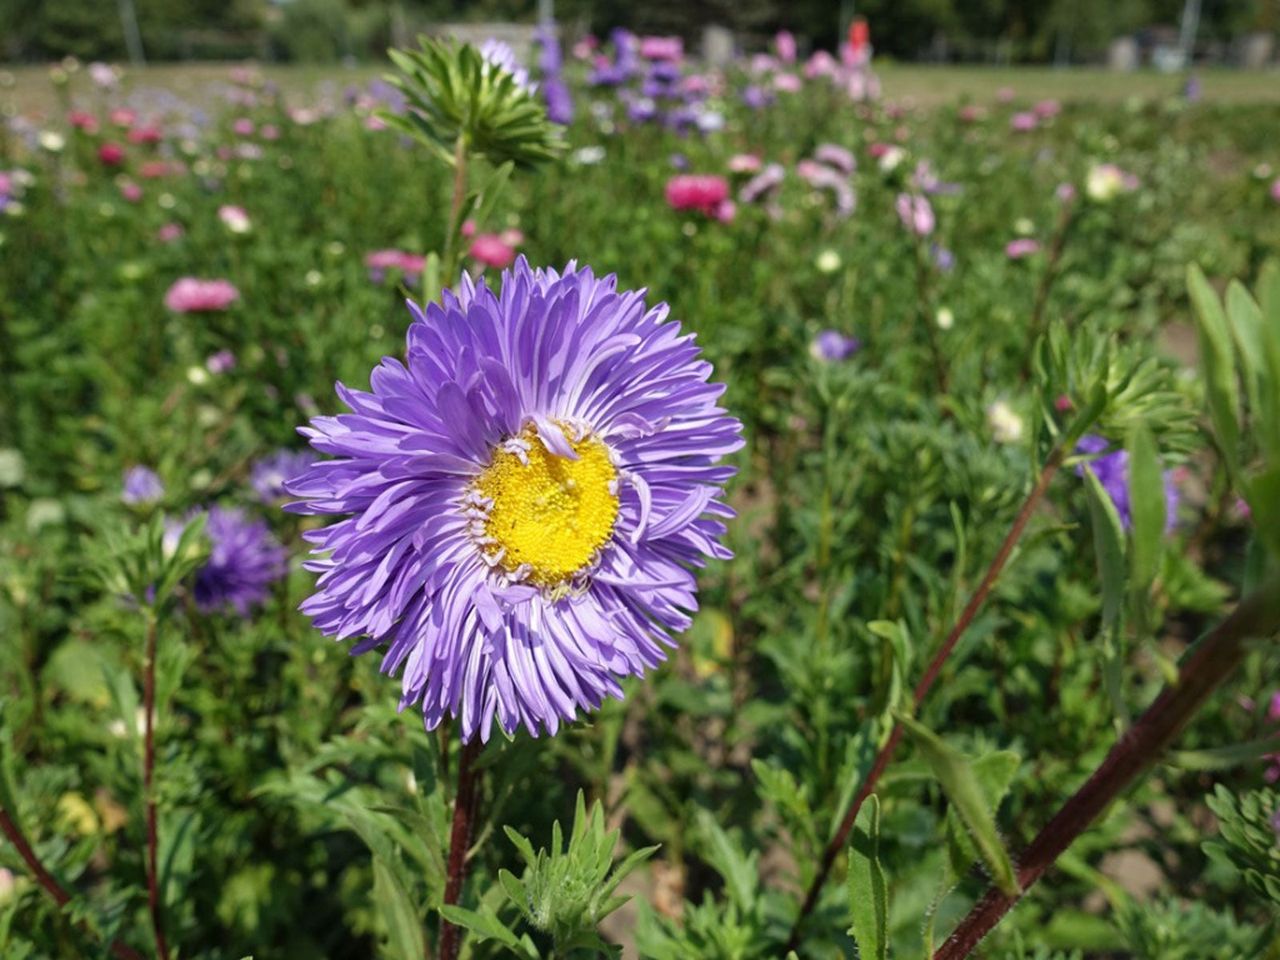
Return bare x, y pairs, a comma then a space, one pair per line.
522, 500
269, 475
756, 97
763, 184
220, 362
836, 157
244, 560
943, 258
833, 346
499, 54
1112, 470
141, 486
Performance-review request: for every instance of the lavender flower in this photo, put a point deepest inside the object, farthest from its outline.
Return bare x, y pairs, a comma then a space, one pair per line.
1112, 471
244, 560
141, 486
501, 55
915, 213
832, 346
522, 500
269, 475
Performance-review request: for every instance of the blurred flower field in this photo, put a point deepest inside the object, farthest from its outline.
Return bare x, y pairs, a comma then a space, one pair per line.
984, 469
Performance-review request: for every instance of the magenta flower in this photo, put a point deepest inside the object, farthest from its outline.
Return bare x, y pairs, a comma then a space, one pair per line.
170, 232
744, 163
702, 192
1022, 247
915, 213
193, 295
1275, 190
111, 154
1023, 121
661, 48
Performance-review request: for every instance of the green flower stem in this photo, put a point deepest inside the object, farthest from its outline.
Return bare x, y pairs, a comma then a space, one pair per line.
1209, 663
148, 788
926, 682
452, 246
464, 805
61, 897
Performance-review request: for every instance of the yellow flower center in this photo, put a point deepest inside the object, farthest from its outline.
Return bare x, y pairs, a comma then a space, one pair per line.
550, 514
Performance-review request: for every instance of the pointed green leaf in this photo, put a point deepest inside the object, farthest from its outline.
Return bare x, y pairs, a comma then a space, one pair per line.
868, 891
1108, 545
1146, 507
955, 774
1218, 359
483, 924
399, 914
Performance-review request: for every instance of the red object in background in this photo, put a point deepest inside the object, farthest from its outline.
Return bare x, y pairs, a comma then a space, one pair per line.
859, 35
111, 154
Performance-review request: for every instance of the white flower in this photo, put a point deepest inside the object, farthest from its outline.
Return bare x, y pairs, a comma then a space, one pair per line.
828, 261
235, 219
588, 156
52, 141
1104, 181
945, 318
197, 376
314, 278
1006, 426
890, 159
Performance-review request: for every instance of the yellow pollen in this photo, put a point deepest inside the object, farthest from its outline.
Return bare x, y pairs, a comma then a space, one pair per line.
550, 513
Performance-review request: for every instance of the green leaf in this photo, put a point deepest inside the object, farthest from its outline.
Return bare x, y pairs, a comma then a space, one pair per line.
1146, 507
954, 772
399, 914
868, 891
1262, 491
994, 773
1218, 358
1108, 544
485, 925
738, 869
1221, 758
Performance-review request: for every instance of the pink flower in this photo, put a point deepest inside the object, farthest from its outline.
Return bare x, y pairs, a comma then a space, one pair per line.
1047, 108
193, 295
915, 213
468, 228
235, 219
787, 83
380, 261
131, 191
111, 154
821, 64
1275, 190
972, 113
1022, 247
701, 192
662, 48
243, 127
744, 163
155, 169
123, 117
1273, 709
149, 134
269, 131
220, 362
490, 250
512, 237
170, 232
1023, 121
1004, 94
785, 44
1065, 192
1063, 403
83, 121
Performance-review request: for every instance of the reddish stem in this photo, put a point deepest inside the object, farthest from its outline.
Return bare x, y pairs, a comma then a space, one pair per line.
1210, 663
148, 788
459, 841
922, 689
50, 884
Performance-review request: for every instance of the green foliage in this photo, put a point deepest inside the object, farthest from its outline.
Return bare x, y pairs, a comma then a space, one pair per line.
460, 101
567, 892
868, 889
1250, 837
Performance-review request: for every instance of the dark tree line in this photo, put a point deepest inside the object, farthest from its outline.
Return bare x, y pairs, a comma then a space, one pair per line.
973, 30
